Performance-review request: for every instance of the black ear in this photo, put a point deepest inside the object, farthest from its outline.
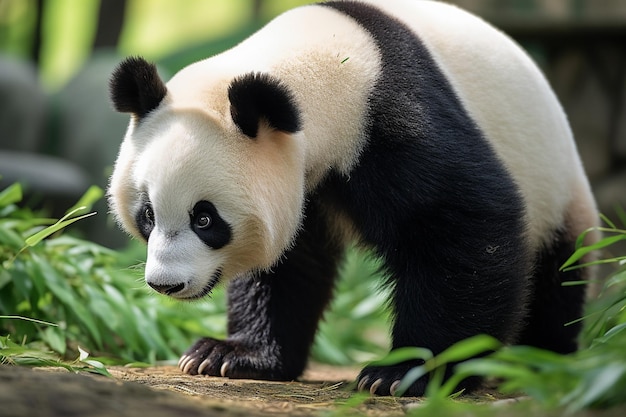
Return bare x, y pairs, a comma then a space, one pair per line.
257, 96
135, 87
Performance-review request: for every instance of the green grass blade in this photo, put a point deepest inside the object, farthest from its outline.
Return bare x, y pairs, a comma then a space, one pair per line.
621, 214
62, 223
409, 378
467, 348
612, 332
404, 354
608, 221
28, 319
86, 202
10, 195
607, 241
595, 386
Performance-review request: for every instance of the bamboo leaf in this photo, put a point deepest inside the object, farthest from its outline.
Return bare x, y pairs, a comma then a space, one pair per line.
86, 202
608, 221
62, 223
10, 195
576, 256
404, 354
467, 348
28, 319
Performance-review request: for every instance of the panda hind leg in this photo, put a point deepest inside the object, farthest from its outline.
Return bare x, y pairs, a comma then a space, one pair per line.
554, 308
448, 290
424, 324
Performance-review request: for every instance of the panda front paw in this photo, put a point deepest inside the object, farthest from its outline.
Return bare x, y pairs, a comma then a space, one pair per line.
385, 380
232, 359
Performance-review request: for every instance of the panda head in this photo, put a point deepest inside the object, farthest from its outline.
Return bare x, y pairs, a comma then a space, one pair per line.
210, 173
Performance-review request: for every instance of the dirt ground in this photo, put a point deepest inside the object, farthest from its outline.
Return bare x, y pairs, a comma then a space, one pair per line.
165, 391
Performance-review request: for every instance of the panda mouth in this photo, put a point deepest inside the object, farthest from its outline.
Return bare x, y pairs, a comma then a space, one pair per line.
215, 279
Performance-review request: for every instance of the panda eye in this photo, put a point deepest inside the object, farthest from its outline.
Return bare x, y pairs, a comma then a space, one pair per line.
149, 214
209, 226
144, 220
203, 221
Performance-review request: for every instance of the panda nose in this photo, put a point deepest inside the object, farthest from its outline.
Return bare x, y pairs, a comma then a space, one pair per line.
167, 289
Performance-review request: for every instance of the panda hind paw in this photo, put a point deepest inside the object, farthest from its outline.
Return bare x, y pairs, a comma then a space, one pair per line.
385, 380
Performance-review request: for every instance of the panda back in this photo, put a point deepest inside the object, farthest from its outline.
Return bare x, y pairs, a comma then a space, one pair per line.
335, 56
509, 100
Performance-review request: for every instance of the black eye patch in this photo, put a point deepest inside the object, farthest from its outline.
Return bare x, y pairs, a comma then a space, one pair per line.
209, 226
144, 218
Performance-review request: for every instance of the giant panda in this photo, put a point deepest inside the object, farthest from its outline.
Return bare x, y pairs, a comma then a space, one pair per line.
410, 127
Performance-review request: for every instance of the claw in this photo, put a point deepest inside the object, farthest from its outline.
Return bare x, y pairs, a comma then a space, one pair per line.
362, 383
183, 361
187, 365
394, 387
375, 386
203, 365
224, 368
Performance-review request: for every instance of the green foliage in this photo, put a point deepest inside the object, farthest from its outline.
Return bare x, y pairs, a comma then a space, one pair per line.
15, 354
58, 293
608, 312
65, 292
89, 293
593, 377
590, 378
355, 327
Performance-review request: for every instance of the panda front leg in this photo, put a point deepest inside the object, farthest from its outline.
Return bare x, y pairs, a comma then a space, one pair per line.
272, 318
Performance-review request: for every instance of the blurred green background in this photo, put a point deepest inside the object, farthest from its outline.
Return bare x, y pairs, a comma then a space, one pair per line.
59, 133
60, 35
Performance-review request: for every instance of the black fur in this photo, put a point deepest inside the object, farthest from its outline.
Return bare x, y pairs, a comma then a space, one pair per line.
431, 196
552, 305
216, 236
144, 219
135, 87
434, 201
257, 96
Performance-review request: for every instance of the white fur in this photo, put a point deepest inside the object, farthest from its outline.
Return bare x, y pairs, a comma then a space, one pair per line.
189, 149
189, 157
512, 103
314, 60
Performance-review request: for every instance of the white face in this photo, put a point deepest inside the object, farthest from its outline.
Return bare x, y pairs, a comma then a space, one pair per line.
211, 202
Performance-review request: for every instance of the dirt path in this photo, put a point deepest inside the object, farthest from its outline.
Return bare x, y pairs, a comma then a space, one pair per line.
164, 391
321, 388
